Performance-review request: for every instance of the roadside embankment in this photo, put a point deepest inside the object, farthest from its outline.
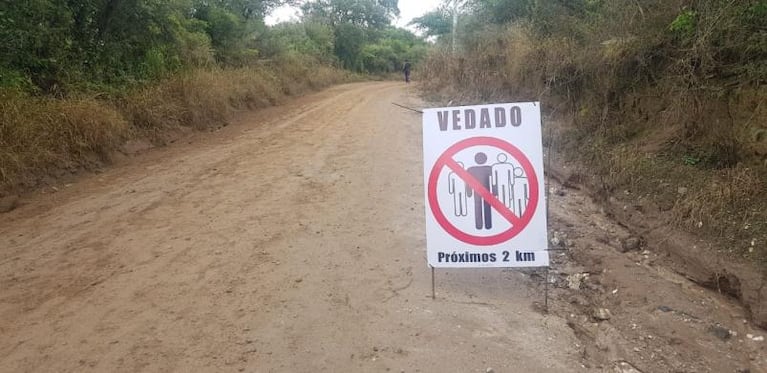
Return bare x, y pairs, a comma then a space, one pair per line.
664, 124
44, 137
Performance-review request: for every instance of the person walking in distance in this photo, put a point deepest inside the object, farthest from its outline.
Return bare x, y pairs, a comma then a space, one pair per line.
406, 70
483, 213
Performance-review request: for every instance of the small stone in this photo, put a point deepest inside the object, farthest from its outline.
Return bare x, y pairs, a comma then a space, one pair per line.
489, 370
665, 309
758, 339
299, 280
601, 314
631, 244
8, 204
556, 241
624, 367
682, 190
575, 280
720, 332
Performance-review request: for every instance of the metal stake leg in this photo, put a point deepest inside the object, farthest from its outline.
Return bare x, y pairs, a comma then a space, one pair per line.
546, 293
433, 289
549, 157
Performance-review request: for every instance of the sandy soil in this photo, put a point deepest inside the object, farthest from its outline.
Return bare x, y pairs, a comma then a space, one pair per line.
292, 241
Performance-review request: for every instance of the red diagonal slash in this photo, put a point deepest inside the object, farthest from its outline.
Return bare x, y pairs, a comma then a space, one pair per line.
482, 191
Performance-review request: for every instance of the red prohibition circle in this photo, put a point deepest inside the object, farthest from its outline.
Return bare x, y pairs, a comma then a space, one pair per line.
515, 153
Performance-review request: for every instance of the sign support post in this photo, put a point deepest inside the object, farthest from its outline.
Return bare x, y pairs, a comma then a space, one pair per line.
433, 286
546, 292
549, 155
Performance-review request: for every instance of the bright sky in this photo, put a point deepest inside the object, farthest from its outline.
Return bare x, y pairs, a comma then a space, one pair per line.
409, 9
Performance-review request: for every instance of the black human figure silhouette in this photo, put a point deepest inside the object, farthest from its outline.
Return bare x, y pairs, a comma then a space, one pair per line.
483, 216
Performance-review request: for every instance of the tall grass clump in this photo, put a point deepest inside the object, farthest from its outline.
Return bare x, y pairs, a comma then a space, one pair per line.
39, 136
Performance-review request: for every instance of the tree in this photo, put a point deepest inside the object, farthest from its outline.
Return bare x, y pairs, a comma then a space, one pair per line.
438, 22
227, 31
349, 41
390, 48
248, 9
56, 43
365, 13
310, 39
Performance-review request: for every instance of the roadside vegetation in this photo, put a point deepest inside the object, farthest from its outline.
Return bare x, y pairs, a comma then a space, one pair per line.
80, 78
664, 102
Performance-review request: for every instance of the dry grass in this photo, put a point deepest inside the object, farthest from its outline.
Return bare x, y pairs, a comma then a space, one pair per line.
637, 127
40, 137
727, 206
508, 62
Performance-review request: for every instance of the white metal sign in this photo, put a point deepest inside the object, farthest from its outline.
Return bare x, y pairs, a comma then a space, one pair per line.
483, 171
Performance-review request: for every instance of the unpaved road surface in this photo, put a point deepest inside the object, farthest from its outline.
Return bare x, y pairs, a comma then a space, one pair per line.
292, 241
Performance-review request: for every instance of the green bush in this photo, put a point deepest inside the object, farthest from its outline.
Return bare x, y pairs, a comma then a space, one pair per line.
685, 23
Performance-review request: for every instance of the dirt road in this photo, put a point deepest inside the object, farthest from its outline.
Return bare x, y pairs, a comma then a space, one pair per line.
292, 241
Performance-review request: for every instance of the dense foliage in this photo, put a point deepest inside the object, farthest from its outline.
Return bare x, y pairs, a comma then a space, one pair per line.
56, 46
364, 38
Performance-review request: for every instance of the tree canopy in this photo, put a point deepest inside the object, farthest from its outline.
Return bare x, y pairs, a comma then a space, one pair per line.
53, 46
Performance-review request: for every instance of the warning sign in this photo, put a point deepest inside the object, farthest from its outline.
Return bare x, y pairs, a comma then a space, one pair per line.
483, 169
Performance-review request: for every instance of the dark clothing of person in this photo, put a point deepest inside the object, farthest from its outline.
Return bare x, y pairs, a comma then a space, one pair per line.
406, 70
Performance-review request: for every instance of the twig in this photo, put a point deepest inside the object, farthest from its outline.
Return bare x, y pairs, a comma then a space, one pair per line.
408, 108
